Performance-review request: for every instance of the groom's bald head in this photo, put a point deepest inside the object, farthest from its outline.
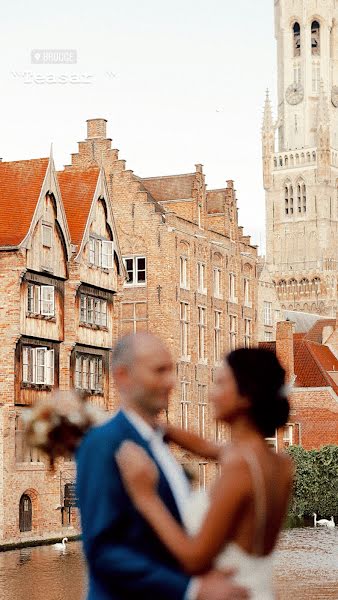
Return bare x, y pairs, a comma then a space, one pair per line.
143, 372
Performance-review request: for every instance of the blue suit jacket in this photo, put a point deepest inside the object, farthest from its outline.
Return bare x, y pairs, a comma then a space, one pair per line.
125, 558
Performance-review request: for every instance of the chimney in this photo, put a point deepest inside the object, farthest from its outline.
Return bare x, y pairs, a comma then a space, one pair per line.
96, 128
199, 168
284, 347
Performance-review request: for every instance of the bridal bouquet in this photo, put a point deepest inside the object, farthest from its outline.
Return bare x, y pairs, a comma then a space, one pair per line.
57, 425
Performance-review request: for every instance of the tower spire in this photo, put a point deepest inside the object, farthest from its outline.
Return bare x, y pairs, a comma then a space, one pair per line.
267, 114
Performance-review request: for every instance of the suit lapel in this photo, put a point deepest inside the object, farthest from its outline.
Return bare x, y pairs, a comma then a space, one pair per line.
128, 431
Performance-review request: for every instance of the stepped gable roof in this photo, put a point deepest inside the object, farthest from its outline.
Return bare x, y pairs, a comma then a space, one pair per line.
20, 187
169, 187
77, 190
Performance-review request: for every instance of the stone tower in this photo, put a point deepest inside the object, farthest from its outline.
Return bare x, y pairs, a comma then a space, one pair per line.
300, 157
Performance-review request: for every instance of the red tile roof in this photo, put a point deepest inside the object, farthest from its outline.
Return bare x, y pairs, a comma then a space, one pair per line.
77, 190
316, 332
20, 187
312, 359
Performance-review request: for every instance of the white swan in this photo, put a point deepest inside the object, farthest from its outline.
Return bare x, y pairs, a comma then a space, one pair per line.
323, 522
61, 546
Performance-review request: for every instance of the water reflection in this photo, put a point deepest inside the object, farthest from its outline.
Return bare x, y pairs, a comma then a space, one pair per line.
306, 568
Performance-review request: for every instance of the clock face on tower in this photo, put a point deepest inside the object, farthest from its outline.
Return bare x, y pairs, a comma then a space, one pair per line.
294, 93
334, 95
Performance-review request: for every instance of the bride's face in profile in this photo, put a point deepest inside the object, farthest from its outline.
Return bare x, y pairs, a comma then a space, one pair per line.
227, 401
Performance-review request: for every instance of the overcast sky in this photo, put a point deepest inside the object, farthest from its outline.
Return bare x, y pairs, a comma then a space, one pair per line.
180, 82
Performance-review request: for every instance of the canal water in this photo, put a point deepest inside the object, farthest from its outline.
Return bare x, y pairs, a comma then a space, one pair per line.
306, 568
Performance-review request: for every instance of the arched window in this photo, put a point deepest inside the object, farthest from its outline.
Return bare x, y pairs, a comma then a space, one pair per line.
296, 39
299, 198
315, 285
291, 199
293, 287
304, 287
281, 286
25, 513
287, 199
315, 38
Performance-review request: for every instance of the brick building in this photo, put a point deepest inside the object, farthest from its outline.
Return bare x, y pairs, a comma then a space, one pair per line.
311, 360
192, 272
60, 269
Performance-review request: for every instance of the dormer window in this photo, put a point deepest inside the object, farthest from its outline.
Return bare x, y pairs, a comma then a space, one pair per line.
296, 40
101, 253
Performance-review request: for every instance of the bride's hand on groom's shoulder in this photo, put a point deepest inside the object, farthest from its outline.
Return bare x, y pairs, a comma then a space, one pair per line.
139, 473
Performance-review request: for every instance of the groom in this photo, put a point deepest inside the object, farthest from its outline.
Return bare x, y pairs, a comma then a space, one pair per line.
126, 560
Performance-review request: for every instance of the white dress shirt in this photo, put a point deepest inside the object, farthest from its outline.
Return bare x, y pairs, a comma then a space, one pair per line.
173, 473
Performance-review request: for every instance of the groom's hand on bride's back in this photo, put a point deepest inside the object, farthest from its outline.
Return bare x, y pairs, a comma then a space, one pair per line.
218, 586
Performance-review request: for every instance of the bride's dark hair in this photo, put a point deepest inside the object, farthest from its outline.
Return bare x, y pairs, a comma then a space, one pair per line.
261, 379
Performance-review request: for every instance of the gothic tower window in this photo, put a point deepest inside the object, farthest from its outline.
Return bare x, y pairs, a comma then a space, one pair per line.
299, 198
304, 197
315, 38
287, 199
296, 39
291, 200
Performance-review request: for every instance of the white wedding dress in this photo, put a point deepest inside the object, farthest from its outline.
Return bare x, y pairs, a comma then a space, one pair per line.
252, 571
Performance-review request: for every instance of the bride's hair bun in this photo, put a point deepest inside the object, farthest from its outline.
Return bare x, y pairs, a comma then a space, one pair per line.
261, 378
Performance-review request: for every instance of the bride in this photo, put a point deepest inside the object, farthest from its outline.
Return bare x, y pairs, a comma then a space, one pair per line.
236, 526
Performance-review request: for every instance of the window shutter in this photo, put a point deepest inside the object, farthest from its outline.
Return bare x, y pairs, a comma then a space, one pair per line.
92, 374
78, 372
83, 308
100, 375
25, 364
37, 300
47, 300
30, 298
107, 254
40, 364
50, 367
92, 251
104, 313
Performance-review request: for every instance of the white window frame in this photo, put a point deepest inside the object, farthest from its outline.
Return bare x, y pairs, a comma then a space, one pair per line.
202, 327
247, 333
232, 288
38, 365
217, 336
136, 282
184, 273
233, 331
185, 403
267, 313
268, 336
201, 278
89, 372
47, 235
247, 292
288, 434
101, 253
217, 282
40, 300
184, 330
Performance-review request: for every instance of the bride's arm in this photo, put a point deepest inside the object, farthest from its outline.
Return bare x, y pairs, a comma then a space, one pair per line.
230, 496
193, 442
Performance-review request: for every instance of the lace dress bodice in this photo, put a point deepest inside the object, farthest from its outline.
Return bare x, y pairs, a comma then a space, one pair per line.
251, 570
